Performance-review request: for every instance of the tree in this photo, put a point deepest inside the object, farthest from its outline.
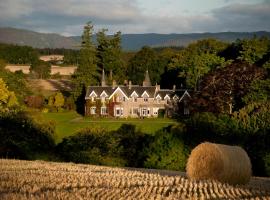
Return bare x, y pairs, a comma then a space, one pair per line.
197, 60
41, 69
86, 73
145, 59
109, 54
15, 81
8, 99
252, 50
259, 91
222, 90
59, 100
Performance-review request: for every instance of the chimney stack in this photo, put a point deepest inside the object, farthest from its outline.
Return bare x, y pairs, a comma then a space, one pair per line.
113, 84
174, 88
103, 81
129, 85
157, 87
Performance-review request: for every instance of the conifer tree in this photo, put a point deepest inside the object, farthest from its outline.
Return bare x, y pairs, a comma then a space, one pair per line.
86, 73
109, 54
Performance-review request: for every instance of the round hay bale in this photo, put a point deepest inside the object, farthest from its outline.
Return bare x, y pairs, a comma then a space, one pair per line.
227, 164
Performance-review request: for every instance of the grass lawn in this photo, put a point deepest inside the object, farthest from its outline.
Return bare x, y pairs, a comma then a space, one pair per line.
67, 123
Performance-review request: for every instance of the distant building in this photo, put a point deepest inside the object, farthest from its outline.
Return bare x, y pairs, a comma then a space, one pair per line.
48, 58
134, 100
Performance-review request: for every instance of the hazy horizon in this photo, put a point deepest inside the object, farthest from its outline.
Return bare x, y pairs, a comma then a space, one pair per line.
67, 17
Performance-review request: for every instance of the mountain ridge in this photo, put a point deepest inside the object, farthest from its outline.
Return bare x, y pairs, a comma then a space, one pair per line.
130, 42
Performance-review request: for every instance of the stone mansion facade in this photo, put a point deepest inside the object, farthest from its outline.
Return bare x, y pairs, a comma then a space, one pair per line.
135, 101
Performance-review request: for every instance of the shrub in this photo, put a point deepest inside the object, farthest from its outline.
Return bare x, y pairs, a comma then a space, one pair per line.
22, 137
34, 101
267, 163
90, 145
167, 151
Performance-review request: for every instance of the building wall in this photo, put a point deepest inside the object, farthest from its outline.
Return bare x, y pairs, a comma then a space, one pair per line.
126, 108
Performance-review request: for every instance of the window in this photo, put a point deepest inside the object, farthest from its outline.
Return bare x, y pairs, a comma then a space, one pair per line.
134, 99
145, 99
145, 112
102, 99
158, 98
103, 111
93, 99
124, 99
93, 110
135, 111
155, 111
186, 111
119, 111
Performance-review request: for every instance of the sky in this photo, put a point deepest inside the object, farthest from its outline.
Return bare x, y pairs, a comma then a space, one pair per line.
67, 17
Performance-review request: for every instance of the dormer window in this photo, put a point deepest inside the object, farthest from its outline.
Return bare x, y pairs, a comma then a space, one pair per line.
158, 98
145, 96
103, 96
93, 96
134, 96
175, 98
167, 98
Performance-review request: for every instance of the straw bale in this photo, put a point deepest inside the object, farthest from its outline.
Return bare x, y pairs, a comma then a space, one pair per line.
228, 164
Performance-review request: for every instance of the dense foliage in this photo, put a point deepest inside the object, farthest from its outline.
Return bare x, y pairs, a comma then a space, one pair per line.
22, 137
18, 54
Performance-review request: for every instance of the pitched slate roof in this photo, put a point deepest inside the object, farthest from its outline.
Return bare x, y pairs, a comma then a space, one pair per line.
151, 91
109, 90
163, 92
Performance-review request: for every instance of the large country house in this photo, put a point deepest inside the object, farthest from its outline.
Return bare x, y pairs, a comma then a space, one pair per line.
134, 100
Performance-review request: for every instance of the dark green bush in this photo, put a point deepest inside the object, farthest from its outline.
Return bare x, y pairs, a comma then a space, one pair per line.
21, 137
94, 146
167, 150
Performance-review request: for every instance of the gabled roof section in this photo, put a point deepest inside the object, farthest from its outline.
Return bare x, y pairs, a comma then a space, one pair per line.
98, 90
158, 97
93, 94
167, 97
185, 94
140, 90
162, 93
104, 94
118, 89
145, 93
175, 97
134, 94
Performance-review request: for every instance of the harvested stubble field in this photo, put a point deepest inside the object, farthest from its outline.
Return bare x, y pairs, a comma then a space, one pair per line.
49, 180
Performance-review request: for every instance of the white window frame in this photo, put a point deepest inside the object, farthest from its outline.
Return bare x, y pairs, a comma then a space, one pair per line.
155, 111
104, 110
120, 111
93, 110
158, 98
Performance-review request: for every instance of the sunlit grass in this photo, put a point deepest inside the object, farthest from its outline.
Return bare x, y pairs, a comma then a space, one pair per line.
68, 123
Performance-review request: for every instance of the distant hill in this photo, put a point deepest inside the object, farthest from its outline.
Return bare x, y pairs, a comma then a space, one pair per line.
35, 39
129, 41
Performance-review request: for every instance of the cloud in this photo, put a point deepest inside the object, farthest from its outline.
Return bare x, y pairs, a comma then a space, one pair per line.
69, 16
243, 17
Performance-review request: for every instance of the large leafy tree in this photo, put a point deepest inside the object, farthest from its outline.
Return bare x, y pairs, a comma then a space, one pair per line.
109, 54
145, 59
222, 90
15, 81
198, 59
8, 99
86, 74
40, 69
253, 50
